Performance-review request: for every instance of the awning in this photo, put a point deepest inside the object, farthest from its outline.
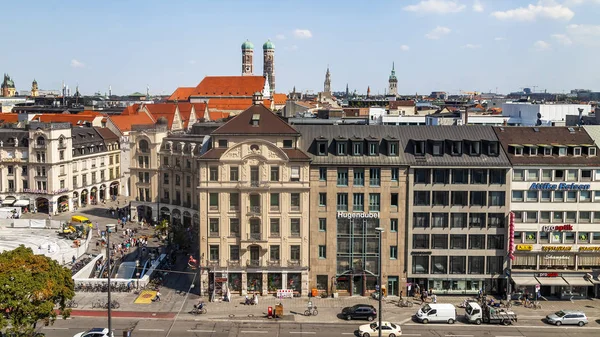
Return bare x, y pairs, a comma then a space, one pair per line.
552, 281
524, 280
8, 202
577, 281
22, 203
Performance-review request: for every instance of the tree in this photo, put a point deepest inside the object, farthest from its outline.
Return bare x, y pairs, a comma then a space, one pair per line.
162, 229
30, 287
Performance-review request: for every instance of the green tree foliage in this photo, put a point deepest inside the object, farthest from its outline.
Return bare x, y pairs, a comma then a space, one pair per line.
30, 287
162, 228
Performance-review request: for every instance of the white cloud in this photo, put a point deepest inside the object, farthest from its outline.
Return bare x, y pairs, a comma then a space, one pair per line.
280, 37
436, 6
302, 34
548, 10
438, 32
472, 46
562, 39
581, 2
192, 62
404, 47
584, 34
77, 64
292, 48
541, 45
477, 6
499, 38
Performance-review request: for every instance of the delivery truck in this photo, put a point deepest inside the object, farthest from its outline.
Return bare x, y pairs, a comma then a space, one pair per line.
477, 314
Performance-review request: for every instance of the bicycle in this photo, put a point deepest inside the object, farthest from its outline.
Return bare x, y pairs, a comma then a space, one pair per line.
405, 304
97, 304
71, 304
311, 311
113, 305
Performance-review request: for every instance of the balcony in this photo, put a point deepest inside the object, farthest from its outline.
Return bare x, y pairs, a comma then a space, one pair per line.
39, 146
253, 263
253, 209
233, 263
293, 263
274, 263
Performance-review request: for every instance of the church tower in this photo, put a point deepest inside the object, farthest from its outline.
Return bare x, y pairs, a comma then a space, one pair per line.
327, 86
393, 89
8, 87
269, 64
247, 55
34, 89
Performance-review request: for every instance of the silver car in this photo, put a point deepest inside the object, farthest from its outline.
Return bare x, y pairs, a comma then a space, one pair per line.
572, 317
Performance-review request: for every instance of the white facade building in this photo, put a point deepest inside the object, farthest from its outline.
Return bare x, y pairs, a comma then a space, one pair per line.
542, 114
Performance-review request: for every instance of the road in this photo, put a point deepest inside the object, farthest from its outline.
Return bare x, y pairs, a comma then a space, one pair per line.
264, 327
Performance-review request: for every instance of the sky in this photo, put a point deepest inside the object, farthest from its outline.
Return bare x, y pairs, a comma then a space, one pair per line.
436, 45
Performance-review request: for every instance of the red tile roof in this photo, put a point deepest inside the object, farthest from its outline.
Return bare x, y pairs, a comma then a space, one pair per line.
124, 122
9, 117
181, 94
395, 104
229, 86
233, 104
185, 111
279, 99
269, 123
216, 115
74, 119
130, 110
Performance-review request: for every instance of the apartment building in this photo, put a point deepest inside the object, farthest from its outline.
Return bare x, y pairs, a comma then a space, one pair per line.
54, 167
457, 209
555, 199
358, 184
254, 206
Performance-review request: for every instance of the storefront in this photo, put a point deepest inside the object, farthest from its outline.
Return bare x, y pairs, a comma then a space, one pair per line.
458, 286
564, 286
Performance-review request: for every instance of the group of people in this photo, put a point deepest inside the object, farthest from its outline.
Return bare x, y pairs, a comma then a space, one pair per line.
251, 300
424, 295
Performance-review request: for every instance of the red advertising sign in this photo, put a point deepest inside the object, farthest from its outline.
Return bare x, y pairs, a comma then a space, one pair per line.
511, 236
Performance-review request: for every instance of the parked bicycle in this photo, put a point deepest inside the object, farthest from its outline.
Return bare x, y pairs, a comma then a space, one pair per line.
114, 304
71, 304
405, 303
98, 304
311, 310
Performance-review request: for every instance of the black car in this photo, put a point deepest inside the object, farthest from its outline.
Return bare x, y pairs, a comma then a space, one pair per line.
360, 311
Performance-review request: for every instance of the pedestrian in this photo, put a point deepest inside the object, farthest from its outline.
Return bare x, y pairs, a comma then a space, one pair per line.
73, 259
158, 294
122, 225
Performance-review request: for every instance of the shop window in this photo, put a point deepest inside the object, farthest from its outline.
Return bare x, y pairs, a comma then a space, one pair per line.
476, 264
583, 237
439, 265
439, 241
420, 264
322, 281
420, 241
457, 264
556, 237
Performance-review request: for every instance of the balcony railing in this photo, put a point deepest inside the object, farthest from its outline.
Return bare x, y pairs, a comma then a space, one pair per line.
233, 263
274, 208
294, 263
374, 181
253, 209
254, 236
253, 263
274, 263
342, 181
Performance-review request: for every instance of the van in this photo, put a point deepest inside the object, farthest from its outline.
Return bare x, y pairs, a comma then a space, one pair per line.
437, 312
81, 219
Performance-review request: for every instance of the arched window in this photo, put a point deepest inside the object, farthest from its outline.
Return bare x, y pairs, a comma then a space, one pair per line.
143, 146
41, 141
61, 141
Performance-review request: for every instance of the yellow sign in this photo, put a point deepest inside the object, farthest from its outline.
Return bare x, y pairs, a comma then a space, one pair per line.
556, 248
589, 249
524, 247
145, 297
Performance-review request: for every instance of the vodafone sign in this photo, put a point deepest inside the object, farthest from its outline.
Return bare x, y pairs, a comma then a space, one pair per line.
561, 228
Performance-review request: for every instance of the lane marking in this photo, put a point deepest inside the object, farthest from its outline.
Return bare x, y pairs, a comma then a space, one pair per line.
304, 332
459, 335
151, 329
192, 330
250, 331
411, 334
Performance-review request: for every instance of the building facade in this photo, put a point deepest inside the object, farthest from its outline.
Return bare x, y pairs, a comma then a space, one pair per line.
358, 184
457, 209
53, 167
555, 196
254, 206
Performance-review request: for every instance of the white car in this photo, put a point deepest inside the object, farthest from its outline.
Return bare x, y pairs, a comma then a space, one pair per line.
95, 332
387, 329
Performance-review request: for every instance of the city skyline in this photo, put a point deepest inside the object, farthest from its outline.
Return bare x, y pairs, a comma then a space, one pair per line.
452, 45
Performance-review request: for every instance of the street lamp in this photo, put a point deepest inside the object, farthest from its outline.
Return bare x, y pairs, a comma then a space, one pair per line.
109, 229
380, 230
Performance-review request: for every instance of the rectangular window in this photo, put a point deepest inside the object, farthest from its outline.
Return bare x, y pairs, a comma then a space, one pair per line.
497, 176
420, 264
234, 202
234, 253
460, 198
295, 227
496, 198
477, 220
586, 175
222, 143
213, 201
393, 149
274, 227
394, 202
420, 241
393, 225
458, 241
295, 253
322, 148
374, 176
322, 173
295, 173
421, 198
439, 220
393, 252
234, 174
359, 177
439, 241
476, 264
342, 202
457, 264
439, 264
373, 148
358, 204
341, 148
213, 173
419, 147
288, 143
441, 176
295, 201
374, 202
478, 198
422, 176
495, 265
458, 220
214, 253
322, 199
455, 148
518, 175
342, 177
460, 176
420, 220
274, 173
394, 172
234, 227
496, 220
322, 251
274, 202
357, 148
322, 224
495, 242
479, 176
533, 175
274, 253
213, 226
440, 198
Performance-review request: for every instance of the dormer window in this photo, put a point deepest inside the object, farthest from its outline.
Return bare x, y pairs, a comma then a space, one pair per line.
562, 150
437, 148
255, 119
419, 147
357, 148
533, 150
475, 148
341, 147
456, 147
223, 143
373, 148
576, 151
493, 149
547, 150
591, 151
517, 149
392, 148
322, 148
288, 143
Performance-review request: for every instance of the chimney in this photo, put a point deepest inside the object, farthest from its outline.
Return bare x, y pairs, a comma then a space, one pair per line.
580, 117
257, 98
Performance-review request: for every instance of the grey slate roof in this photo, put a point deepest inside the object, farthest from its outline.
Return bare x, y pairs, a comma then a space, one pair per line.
83, 136
406, 135
594, 132
8, 135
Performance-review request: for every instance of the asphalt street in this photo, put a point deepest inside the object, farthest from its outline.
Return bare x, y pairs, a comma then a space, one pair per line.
262, 327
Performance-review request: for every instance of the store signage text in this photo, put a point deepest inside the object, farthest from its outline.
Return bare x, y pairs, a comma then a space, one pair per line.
358, 215
524, 247
589, 249
549, 275
561, 228
556, 248
553, 257
561, 186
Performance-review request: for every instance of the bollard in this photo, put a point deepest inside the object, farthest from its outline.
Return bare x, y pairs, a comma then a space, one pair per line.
270, 312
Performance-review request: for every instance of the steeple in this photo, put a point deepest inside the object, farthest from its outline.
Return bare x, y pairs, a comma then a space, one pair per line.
347, 92
327, 86
368, 91
34, 88
393, 82
247, 56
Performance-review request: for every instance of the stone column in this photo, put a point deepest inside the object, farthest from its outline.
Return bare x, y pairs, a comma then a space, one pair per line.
244, 283
265, 284
284, 280
304, 281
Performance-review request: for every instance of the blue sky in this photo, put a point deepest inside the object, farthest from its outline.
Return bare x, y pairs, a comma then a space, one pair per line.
451, 45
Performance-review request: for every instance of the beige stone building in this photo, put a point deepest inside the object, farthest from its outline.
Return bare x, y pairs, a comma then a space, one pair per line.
358, 183
254, 206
